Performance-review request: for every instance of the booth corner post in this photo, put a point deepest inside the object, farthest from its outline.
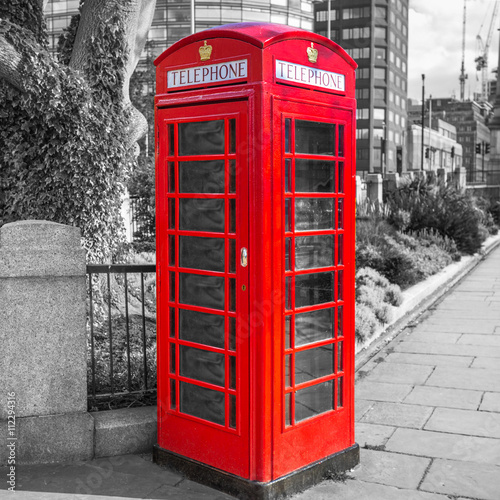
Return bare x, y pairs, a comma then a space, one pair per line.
255, 172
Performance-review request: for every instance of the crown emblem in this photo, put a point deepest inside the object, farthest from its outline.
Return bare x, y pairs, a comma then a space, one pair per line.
205, 51
312, 53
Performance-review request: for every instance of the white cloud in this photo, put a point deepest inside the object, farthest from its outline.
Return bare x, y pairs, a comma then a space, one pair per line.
435, 45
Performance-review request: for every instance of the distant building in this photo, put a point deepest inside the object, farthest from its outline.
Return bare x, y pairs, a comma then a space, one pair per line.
470, 119
441, 149
375, 34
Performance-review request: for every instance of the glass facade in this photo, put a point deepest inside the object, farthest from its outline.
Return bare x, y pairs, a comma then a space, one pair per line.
375, 35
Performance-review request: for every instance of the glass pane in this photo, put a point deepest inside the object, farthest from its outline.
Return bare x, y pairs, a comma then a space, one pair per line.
171, 177
288, 326
232, 294
288, 122
201, 253
232, 256
201, 138
232, 176
314, 176
171, 213
200, 214
171, 140
314, 251
341, 140
203, 291
202, 365
202, 403
314, 138
340, 357
340, 285
201, 176
232, 334
172, 323
288, 293
340, 392
173, 395
171, 250
202, 328
313, 326
232, 136
232, 215
340, 177
171, 286
173, 362
288, 407
312, 214
288, 373
288, 215
232, 372
288, 250
312, 289
232, 411
313, 363
340, 250
340, 215
288, 175
313, 400
340, 321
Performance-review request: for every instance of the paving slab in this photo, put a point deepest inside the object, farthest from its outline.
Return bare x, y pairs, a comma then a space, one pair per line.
468, 378
479, 481
398, 414
475, 339
372, 435
424, 335
381, 391
448, 349
440, 445
490, 402
401, 373
467, 422
391, 469
443, 397
361, 407
361, 490
462, 325
486, 363
429, 359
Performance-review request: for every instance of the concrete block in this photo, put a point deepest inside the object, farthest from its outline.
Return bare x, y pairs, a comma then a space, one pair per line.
52, 438
391, 469
397, 414
453, 478
129, 430
471, 423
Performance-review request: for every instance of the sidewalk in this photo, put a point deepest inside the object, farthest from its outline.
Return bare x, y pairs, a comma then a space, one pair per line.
427, 414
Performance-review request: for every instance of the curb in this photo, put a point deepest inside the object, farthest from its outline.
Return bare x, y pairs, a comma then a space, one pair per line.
419, 298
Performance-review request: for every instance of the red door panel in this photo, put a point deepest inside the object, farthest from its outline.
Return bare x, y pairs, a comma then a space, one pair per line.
203, 392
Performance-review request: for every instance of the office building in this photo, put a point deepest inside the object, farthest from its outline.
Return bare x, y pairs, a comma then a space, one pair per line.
375, 34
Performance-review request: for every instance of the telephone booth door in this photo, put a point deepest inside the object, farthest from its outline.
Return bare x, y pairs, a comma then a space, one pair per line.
203, 362
317, 403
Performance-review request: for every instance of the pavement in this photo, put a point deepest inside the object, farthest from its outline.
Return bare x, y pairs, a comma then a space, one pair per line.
427, 419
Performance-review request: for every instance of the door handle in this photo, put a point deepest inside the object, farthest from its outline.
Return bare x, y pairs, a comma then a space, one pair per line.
244, 257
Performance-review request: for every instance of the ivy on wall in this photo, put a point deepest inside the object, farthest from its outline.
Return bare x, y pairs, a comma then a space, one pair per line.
62, 149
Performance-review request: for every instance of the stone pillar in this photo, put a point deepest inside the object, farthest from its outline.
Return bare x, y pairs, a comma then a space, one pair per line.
43, 342
360, 190
441, 176
460, 177
392, 182
374, 189
431, 177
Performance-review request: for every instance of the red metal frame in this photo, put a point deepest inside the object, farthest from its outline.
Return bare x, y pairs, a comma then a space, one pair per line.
262, 447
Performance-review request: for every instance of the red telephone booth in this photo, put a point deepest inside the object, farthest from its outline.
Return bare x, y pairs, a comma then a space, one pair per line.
255, 166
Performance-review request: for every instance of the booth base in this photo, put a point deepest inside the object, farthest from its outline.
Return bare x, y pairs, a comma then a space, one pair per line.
245, 489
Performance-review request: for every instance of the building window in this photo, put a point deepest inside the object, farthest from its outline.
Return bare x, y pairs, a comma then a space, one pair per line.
391, 76
381, 12
391, 116
350, 33
380, 73
399, 24
362, 73
356, 13
379, 114
403, 122
391, 96
362, 114
398, 62
397, 99
359, 53
379, 94
362, 133
380, 53
322, 15
363, 93
381, 32
378, 133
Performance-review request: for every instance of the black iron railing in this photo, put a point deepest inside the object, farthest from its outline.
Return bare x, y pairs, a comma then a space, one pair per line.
121, 323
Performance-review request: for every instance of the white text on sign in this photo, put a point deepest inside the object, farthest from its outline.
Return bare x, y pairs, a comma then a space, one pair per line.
213, 73
306, 75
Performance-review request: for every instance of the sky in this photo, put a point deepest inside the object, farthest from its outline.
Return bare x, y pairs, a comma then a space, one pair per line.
435, 45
